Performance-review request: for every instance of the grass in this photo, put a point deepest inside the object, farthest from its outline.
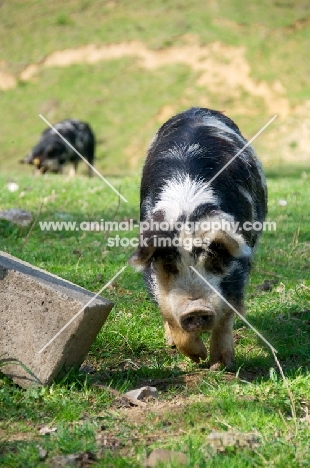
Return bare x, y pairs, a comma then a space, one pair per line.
158, 25
130, 350
115, 149
119, 94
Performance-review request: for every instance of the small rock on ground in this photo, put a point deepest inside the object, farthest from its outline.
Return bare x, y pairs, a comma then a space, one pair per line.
164, 457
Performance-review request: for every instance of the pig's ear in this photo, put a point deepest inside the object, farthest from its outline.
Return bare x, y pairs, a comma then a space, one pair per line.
234, 243
141, 258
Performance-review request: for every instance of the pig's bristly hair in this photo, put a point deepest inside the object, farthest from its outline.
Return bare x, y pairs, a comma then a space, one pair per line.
182, 195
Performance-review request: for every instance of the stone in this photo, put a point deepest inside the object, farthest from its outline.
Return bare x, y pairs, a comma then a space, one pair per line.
17, 216
219, 441
143, 392
165, 458
34, 306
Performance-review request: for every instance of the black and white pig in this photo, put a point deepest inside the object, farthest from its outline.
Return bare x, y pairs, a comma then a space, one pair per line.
52, 153
190, 209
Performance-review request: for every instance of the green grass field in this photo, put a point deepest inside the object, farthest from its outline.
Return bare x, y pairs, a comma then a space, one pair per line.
263, 55
263, 46
130, 351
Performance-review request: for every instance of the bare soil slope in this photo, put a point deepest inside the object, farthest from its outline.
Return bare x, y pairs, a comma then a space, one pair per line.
221, 69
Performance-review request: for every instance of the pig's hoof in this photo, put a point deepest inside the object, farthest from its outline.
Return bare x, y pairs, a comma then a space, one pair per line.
220, 359
169, 339
196, 357
215, 366
170, 342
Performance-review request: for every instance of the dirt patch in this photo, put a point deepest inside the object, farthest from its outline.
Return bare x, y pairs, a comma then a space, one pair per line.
292, 137
161, 410
9, 436
7, 81
220, 67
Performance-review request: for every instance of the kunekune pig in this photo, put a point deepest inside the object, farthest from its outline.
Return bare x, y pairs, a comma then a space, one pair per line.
52, 153
194, 212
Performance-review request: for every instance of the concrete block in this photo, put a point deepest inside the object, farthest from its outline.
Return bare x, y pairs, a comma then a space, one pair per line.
34, 306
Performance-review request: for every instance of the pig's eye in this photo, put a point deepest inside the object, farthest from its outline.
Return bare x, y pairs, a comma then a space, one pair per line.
169, 265
217, 258
51, 153
199, 252
169, 262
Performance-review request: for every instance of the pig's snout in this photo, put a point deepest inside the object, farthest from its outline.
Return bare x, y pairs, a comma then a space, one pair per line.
198, 320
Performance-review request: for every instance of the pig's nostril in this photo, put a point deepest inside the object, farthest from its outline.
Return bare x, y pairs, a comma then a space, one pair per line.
190, 323
197, 321
189, 320
206, 319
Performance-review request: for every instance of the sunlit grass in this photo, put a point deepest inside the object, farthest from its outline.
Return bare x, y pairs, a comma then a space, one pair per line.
130, 350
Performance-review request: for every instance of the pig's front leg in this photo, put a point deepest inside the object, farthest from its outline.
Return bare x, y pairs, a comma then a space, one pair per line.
189, 344
222, 351
168, 335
